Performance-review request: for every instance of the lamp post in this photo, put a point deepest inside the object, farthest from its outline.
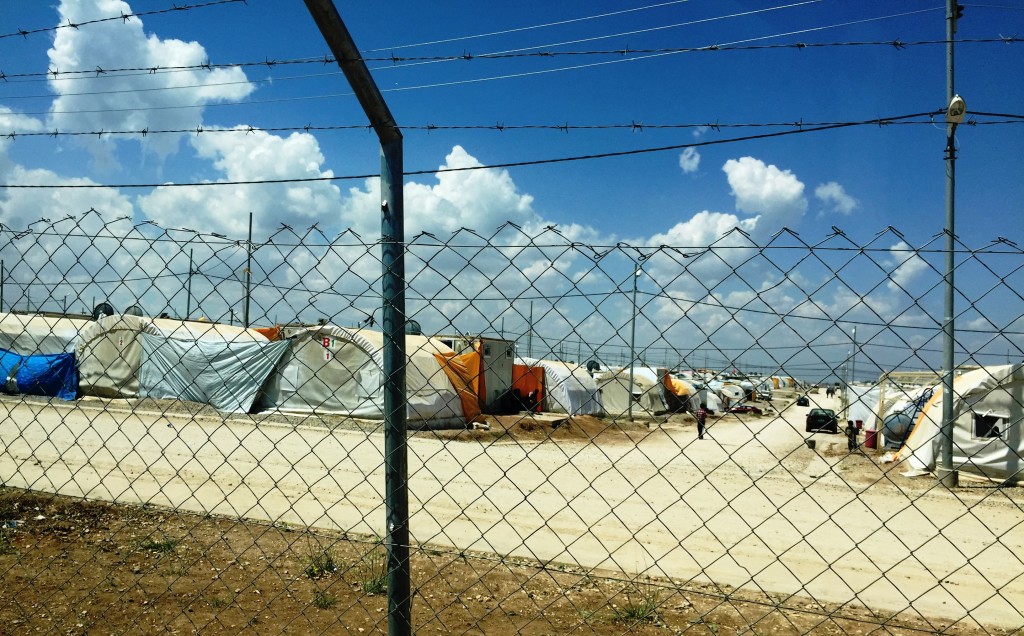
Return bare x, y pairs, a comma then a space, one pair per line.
632, 338
955, 112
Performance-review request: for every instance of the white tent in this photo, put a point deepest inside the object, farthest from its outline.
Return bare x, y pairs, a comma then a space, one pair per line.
988, 407
339, 371
221, 365
711, 399
568, 388
647, 392
30, 334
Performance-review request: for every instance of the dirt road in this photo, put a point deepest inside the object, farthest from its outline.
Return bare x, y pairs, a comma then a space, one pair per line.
751, 508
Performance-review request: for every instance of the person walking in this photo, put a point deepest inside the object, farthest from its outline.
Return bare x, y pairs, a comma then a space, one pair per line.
702, 416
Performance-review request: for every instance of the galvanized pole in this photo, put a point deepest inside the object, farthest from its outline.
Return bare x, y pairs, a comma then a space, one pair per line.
188, 296
634, 273
248, 276
396, 493
944, 471
529, 334
3, 275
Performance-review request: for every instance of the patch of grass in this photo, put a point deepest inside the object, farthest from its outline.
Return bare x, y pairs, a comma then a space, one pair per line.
641, 606
164, 546
323, 600
373, 571
320, 565
219, 602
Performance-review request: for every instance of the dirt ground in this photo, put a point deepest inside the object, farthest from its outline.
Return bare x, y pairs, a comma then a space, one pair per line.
77, 567
73, 567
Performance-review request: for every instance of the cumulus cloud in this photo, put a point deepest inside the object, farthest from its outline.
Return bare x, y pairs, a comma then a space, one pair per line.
255, 156
480, 199
11, 121
776, 195
689, 160
907, 266
833, 195
131, 101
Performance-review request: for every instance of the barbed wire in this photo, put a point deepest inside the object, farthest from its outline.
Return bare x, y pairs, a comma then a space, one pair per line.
123, 17
95, 72
633, 126
535, 162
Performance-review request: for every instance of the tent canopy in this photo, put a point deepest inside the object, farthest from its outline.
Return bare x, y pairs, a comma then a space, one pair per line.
29, 334
988, 407
110, 351
334, 370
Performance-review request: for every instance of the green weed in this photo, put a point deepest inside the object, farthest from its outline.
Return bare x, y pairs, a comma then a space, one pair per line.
321, 565
323, 600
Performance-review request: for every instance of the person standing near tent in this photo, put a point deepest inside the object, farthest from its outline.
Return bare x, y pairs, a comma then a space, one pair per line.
702, 416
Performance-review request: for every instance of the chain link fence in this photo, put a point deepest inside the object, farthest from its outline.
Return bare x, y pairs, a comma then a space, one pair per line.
192, 434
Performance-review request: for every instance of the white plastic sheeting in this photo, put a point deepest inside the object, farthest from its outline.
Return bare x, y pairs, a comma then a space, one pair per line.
225, 375
109, 351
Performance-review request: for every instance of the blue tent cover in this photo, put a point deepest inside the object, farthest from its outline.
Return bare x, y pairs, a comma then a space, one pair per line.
51, 375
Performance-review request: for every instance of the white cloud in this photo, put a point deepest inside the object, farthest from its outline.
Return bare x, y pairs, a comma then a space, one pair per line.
689, 160
776, 195
11, 122
252, 156
131, 101
833, 194
907, 266
478, 199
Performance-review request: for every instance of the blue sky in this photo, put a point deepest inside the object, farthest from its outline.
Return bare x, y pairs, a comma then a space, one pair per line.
859, 179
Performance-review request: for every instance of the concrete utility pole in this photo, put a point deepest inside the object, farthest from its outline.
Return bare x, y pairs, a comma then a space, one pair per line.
955, 110
396, 472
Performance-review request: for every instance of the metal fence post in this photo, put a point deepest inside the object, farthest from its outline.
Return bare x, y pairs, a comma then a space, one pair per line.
396, 472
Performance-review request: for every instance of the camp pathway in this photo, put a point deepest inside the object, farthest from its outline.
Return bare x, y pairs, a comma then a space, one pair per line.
751, 507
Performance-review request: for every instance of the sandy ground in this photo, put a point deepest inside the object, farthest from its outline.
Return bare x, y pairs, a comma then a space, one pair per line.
752, 507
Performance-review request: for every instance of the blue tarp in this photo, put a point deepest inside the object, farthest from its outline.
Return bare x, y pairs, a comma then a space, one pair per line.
52, 375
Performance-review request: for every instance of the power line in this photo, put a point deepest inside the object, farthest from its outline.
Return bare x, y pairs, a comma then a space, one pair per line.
536, 162
123, 17
530, 28
111, 73
633, 126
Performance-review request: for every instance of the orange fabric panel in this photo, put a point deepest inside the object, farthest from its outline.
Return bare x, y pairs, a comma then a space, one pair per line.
528, 379
464, 373
677, 387
272, 333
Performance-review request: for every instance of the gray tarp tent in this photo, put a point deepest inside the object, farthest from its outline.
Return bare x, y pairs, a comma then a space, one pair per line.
226, 375
111, 355
338, 371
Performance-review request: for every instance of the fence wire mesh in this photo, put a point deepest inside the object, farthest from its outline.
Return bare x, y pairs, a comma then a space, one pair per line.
191, 431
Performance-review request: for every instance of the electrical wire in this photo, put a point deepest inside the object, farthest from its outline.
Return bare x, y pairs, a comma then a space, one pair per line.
535, 162
98, 73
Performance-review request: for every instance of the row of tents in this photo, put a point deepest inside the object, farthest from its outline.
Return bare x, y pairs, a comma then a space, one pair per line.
322, 369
